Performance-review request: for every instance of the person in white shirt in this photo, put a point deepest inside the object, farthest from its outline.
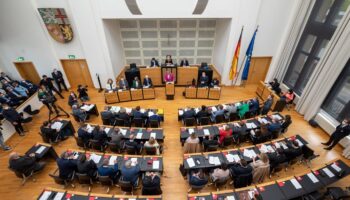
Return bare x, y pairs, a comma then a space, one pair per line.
110, 85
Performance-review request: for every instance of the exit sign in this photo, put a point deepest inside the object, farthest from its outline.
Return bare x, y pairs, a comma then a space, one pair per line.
71, 56
20, 59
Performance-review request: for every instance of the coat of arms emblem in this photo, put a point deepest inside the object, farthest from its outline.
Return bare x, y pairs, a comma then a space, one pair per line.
57, 24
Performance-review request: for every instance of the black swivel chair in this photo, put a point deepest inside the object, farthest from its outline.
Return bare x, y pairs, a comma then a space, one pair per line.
204, 121
219, 119
65, 182
106, 181
119, 122
190, 121
151, 150
233, 117
96, 145
227, 141
80, 142
126, 186
138, 122
24, 176
114, 147
154, 124
84, 179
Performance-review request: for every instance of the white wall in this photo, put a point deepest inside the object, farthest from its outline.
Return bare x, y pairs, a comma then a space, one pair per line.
223, 30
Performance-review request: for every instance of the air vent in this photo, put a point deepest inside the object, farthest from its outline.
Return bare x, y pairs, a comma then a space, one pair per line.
200, 7
133, 7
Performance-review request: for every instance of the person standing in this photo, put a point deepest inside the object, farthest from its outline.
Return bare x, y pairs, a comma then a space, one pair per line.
47, 82
169, 76
2, 141
340, 132
14, 118
58, 77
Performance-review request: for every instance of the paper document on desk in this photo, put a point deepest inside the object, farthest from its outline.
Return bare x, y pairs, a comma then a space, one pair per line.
95, 158
196, 110
214, 160
251, 194
89, 128
206, 132
299, 142
249, 125
236, 124
230, 198
312, 177
284, 146
40, 150
155, 164
57, 125
224, 106
181, 112
139, 135
190, 131
263, 148
59, 196
128, 110
263, 120
247, 153
295, 183
328, 172
276, 116
336, 167
123, 131
154, 135
87, 107
214, 109
45, 195
269, 148
107, 130
112, 159
230, 158
190, 162
277, 145
133, 161
115, 108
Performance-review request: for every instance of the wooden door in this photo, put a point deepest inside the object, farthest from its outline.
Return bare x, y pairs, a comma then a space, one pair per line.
77, 72
27, 71
258, 69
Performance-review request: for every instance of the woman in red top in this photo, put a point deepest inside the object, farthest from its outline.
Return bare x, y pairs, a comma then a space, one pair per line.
224, 132
289, 96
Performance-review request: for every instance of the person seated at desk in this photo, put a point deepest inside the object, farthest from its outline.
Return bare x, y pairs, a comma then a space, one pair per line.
87, 167
215, 83
4, 76
136, 83
79, 113
72, 99
168, 60
203, 112
224, 132
169, 76
20, 89
254, 106
130, 172
184, 63
117, 138
5, 84
82, 93
51, 133
29, 85
197, 178
5, 99
220, 111
261, 168
123, 84
203, 80
260, 135
147, 82
154, 63
151, 184
220, 174
14, 94
124, 116
209, 141
110, 86
275, 85
25, 164
137, 114
241, 168
152, 142
155, 117
193, 139
12, 115
243, 108
276, 158
106, 170
274, 126
100, 135
108, 116
230, 108
67, 165
267, 105
84, 134
293, 151
188, 113
132, 143
286, 123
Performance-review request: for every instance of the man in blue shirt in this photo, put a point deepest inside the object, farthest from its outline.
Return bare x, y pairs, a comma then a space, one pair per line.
106, 170
274, 126
130, 173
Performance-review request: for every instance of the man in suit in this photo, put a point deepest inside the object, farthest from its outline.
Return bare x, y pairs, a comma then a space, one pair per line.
66, 165
107, 115
203, 112
147, 82
123, 84
137, 113
136, 83
14, 118
124, 116
132, 143
241, 168
254, 106
340, 132
154, 63
25, 164
81, 114
106, 170
220, 111
267, 105
84, 134
58, 77
209, 141
203, 81
130, 173
274, 126
151, 184
100, 135
275, 86
188, 113
47, 82
184, 63
293, 151
276, 158
5, 99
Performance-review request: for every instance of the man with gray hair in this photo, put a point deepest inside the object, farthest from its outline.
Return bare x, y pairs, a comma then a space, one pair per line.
25, 164
79, 113
130, 172
107, 170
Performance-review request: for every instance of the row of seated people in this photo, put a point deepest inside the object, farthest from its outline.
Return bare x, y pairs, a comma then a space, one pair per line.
244, 173
230, 112
14, 92
137, 117
68, 168
235, 135
124, 85
99, 140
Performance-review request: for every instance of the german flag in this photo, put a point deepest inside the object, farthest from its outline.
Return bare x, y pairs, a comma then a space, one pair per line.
233, 70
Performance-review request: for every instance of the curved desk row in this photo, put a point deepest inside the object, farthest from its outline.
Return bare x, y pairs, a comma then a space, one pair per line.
129, 95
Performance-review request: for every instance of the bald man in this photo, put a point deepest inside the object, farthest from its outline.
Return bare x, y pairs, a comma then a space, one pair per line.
25, 164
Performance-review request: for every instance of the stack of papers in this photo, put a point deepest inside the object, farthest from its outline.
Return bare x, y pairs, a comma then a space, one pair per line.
236, 124
213, 108
115, 109
181, 112
154, 135
214, 160
155, 164
112, 159
139, 135
250, 153
299, 142
277, 145
335, 167
40, 150
190, 162
206, 132
312, 177
87, 107
263, 149
89, 128
123, 131
328, 172
270, 149
233, 158
295, 183
57, 125
95, 158
45, 195
133, 161
230, 198
250, 125
277, 117
59, 196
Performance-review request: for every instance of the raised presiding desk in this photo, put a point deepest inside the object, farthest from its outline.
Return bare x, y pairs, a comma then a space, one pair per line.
203, 93
129, 95
263, 91
59, 194
146, 163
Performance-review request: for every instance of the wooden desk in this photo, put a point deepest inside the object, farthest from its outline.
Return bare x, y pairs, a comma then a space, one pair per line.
153, 73
214, 93
124, 95
111, 97
202, 93
170, 90
136, 94
186, 74
191, 92
148, 93
263, 91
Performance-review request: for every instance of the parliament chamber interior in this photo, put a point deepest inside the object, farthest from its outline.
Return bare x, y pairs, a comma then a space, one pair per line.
175, 99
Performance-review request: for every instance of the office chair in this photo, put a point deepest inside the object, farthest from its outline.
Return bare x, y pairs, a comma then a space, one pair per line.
24, 176
96, 145
80, 142
204, 121
84, 179
154, 124
126, 186
190, 121
114, 147
106, 181
138, 122
219, 119
61, 181
233, 117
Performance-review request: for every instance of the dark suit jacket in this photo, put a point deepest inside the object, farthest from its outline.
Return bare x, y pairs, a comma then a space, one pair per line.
108, 171
47, 83
202, 113
184, 63
124, 116
23, 164
131, 174
123, 83
292, 153
100, 136
138, 114
151, 186
57, 77
66, 167
237, 169
147, 82
88, 167
11, 115
189, 114
154, 63
276, 159
342, 131
203, 81
84, 135
72, 100
197, 181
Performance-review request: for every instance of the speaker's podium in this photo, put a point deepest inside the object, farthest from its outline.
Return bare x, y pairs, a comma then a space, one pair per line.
169, 90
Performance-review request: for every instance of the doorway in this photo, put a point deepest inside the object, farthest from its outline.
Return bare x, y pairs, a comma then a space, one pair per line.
77, 72
27, 71
258, 69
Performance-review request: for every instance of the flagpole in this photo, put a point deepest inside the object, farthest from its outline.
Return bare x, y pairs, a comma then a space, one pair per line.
239, 71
